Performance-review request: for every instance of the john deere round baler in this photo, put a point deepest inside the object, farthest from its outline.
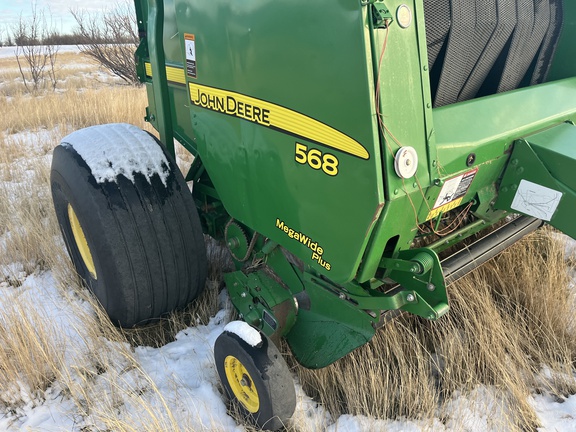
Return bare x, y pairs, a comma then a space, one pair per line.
343, 150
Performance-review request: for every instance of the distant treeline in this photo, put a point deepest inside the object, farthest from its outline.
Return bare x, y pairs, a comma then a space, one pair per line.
60, 39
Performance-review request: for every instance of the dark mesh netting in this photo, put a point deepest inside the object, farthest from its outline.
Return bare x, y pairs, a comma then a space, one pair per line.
482, 47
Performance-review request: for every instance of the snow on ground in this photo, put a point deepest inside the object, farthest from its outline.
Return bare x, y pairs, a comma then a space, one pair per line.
185, 379
182, 371
10, 51
555, 415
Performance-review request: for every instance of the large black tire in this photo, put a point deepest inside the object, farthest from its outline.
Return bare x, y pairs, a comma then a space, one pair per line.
256, 379
137, 244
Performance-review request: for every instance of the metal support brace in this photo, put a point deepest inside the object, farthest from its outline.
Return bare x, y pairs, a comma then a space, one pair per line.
163, 117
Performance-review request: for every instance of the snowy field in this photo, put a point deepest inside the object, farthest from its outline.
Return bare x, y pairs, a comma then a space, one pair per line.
180, 375
10, 51
185, 379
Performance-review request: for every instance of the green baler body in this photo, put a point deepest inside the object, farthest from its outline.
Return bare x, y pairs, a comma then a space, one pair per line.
296, 110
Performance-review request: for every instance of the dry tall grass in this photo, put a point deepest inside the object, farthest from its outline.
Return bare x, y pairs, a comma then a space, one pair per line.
31, 346
73, 110
29, 351
509, 319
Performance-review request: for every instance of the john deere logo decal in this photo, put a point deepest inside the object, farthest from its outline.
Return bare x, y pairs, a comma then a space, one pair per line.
275, 117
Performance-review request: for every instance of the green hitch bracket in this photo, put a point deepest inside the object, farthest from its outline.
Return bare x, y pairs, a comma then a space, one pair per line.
423, 288
262, 302
419, 264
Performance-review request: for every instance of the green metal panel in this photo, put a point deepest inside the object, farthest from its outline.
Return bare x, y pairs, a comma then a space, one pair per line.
155, 39
327, 327
539, 180
401, 64
291, 57
487, 126
563, 64
176, 94
405, 100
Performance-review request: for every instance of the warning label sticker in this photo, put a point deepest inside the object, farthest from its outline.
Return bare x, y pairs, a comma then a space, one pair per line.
190, 45
536, 200
452, 193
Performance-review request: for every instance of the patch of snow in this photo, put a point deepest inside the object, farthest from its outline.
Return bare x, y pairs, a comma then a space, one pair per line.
117, 149
183, 372
36, 142
554, 415
367, 424
484, 409
13, 270
245, 332
10, 51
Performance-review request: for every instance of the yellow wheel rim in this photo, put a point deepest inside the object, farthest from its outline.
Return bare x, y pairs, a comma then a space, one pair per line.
241, 384
81, 242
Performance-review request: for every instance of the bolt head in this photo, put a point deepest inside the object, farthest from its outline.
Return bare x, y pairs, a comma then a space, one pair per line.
431, 287
410, 298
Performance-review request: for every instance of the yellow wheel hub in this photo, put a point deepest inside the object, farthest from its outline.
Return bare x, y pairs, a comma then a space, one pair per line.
81, 242
241, 384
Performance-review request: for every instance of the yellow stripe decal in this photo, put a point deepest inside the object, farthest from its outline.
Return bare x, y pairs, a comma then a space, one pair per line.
265, 114
173, 74
275, 117
445, 208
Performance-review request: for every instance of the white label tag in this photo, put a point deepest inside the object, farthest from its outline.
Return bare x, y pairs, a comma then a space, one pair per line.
190, 45
536, 200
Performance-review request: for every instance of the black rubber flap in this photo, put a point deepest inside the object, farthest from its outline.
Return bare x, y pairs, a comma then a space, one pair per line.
481, 47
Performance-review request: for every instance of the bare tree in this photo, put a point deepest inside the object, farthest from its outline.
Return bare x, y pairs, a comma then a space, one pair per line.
111, 39
36, 62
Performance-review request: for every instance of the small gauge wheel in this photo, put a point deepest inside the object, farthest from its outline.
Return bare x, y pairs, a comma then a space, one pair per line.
256, 379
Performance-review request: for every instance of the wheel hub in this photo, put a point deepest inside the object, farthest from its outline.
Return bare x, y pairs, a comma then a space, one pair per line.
241, 384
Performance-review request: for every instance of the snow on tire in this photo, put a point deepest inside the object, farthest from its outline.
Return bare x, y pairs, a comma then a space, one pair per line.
129, 222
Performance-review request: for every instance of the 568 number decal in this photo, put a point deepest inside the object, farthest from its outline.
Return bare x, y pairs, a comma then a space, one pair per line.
317, 160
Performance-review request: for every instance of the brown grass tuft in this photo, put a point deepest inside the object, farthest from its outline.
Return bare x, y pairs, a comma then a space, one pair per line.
507, 320
29, 350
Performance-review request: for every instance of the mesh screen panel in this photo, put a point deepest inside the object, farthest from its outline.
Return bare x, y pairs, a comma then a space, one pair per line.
481, 47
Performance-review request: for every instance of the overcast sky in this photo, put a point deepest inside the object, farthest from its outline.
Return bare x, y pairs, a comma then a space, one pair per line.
59, 10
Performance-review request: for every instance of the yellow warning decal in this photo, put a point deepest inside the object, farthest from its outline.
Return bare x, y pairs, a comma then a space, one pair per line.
445, 208
275, 117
